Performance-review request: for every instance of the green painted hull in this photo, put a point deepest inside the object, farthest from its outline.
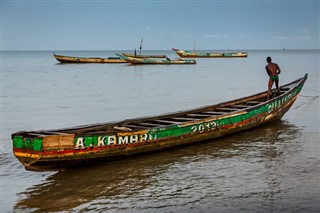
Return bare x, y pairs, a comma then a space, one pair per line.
188, 54
143, 56
141, 61
78, 146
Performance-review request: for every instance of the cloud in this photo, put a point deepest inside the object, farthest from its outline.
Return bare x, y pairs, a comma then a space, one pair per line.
306, 30
206, 35
175, 35
305, 33
297, 37
188, 36
245, 36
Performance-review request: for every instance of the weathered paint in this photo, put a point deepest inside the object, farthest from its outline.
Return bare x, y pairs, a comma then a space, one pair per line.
143, 56
188, 54
74, 147
159, 133
133, 60
70, 59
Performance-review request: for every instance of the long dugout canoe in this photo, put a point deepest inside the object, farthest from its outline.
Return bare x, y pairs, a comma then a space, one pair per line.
143, 56
78, 146
167, 61
71, 59
189, 54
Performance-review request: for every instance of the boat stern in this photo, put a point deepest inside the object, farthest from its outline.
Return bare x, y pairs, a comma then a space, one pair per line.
32, 148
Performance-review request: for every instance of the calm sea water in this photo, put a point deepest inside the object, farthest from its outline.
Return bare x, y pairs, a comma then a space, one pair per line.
274, 168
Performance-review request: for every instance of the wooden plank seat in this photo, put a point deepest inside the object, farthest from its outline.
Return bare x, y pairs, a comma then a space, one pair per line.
168, 122
150, 124
240, 106
197, 115
253, 102
184, 119
226, 109
215, 113
135, 126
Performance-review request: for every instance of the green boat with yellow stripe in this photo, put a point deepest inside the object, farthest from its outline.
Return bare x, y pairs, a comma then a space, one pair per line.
142, 56
60, 149
189, 54
154, 61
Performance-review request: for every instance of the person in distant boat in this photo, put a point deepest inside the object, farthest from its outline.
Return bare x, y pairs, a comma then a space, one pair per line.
273, 71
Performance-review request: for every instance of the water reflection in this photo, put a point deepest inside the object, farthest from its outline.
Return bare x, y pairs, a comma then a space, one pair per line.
118, 181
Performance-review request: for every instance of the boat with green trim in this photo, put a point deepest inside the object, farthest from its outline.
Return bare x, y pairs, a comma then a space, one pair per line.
165, 61
143, 56
91, 144
189, 54
71, 59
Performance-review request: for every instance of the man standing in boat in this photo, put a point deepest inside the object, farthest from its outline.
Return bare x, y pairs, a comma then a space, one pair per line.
273, 71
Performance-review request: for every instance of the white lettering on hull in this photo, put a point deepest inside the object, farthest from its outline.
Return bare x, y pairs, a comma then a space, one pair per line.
208, 126
114, 140
80, 144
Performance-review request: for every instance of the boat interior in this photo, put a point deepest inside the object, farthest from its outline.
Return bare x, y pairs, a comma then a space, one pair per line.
223, 109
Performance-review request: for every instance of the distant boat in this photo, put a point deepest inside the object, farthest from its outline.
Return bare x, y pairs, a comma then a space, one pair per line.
92, 144
189, 54
71, 59
143, 56
166, 61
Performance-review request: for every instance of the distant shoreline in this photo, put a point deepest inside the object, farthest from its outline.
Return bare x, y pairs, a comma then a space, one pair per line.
129, 50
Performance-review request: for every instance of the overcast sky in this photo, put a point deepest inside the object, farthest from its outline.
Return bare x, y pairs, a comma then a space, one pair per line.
163, 24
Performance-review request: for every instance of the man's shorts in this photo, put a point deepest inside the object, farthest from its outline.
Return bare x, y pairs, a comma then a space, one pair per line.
274, 78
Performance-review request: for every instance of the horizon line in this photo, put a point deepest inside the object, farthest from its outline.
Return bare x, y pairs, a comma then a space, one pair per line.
161, 49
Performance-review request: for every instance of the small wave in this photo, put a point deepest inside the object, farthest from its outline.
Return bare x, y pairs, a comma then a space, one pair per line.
310, 96
309, 99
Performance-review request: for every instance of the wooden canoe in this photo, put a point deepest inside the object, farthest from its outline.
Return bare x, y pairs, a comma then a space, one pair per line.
189, 54
166, 61
70, 59
143, 56
73, 147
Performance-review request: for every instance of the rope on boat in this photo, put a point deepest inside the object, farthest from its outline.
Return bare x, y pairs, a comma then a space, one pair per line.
28, 165
170, 52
